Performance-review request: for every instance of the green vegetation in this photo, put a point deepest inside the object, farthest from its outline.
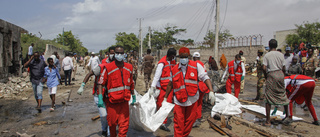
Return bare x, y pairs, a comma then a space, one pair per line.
307, 32
211, 36
72, 43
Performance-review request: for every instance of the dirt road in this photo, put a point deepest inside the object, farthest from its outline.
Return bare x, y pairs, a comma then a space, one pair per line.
20, 116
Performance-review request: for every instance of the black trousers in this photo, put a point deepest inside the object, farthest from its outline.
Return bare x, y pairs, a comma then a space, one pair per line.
67, 76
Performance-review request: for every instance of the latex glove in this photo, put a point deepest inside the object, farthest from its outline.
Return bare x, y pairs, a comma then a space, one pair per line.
133, 99
164, 100
80, 90
212, 98
242, 78
100, 102
274, 111
152, 91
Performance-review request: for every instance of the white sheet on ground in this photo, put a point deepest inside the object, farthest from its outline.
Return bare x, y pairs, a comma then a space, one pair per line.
143, 115
226, 104
262, 110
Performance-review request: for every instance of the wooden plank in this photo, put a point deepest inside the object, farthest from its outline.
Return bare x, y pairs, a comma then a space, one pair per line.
248, 102
215, 124
95, 118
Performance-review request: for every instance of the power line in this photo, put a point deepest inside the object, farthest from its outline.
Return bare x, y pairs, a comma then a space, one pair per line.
205, 22
225, 14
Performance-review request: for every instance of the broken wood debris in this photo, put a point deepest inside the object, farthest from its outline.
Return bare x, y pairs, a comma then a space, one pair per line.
95, 118
215, 124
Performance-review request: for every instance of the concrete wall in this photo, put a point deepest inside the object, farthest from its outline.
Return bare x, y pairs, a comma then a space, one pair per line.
280, 36
10, 50
250, 53
50, 49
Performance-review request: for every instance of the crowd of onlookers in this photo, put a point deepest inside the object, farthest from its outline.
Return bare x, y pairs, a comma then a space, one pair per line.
302, 59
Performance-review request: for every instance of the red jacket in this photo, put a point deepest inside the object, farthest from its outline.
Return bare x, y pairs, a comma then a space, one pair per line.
184, 86
292, 86
166, 70
119, 82
202, 86
235, 75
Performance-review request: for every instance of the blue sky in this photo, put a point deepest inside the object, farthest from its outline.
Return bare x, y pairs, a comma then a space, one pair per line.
96, 22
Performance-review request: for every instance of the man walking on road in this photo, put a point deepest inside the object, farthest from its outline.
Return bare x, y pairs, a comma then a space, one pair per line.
274, 70
94, 61
75, 66
244, 61
236, 71
133, 60
147, 67
86, 62
260, 75
67, 66
117, 78
36, 66
161, 79
184, 83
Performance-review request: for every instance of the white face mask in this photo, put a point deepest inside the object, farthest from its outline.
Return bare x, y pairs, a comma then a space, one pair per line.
173, 59
184, 61
119, 57
111, 56
237, 62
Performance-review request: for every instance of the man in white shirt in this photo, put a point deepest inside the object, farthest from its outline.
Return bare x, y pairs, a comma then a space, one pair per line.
161, 80
67, 66
30, 51
288, 58
94, 61
184, 82
236, 71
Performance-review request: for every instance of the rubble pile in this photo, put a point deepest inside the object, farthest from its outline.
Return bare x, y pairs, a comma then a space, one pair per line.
14, 87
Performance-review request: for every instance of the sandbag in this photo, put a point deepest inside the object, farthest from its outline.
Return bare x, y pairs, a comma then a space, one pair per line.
226, 104
143, 115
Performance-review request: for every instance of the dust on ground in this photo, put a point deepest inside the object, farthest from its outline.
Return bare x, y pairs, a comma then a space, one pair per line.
18, 116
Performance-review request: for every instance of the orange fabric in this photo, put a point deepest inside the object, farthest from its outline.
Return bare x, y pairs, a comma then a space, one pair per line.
118, 115
202, 86
185, 86
200, 102
116, 78
160, 100
184, 50
184, 117
223, 61
236, 87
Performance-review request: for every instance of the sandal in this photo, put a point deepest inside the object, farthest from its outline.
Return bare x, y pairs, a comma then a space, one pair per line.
266, 125
51, 109
39, 109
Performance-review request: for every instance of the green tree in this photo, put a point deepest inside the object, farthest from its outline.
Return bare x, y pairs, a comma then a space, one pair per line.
188, 41
211, 36
307, 32
164, 38
128, 41
71, 41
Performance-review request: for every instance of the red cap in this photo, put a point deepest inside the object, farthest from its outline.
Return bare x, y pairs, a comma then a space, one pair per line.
184, 50
240, 51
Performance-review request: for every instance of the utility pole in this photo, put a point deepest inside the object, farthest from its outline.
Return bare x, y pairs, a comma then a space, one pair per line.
216, 40
149, 42
140, 37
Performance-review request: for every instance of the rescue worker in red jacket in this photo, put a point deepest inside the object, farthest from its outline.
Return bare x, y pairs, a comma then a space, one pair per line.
117, 79
236, 71
300, 89
203, 90
184, 82
161, 79
95, 92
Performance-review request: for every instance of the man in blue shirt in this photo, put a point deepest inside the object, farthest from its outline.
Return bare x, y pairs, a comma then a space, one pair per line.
51, 74
36, 66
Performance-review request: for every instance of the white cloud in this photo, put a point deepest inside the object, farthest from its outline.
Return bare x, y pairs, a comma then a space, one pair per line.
96, 22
